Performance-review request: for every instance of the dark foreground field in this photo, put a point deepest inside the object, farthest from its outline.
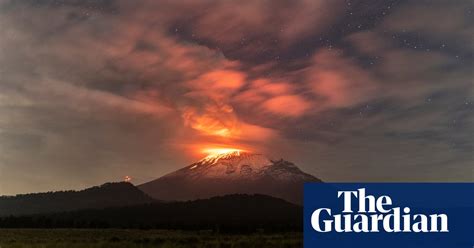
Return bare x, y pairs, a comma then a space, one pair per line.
80, 238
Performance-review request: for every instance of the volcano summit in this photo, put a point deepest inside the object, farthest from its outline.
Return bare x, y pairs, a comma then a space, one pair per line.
233, 172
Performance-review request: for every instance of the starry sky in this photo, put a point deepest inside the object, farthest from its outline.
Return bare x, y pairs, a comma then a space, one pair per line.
94, 90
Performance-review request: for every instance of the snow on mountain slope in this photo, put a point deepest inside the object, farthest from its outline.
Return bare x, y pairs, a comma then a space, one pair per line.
230, 173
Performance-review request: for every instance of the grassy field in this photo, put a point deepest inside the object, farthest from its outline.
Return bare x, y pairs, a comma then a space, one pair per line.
79, 238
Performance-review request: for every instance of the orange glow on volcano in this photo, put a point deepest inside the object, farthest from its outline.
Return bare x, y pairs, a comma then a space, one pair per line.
221, 151
214, 154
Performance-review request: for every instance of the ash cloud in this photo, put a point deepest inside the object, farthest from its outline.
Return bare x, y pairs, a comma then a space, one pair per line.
91, 91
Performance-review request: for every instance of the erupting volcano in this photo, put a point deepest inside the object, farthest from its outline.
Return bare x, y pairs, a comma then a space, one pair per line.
216, 154
230, 171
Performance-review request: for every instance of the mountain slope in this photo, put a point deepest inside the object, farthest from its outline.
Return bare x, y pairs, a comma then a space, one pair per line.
107, 195
232, 173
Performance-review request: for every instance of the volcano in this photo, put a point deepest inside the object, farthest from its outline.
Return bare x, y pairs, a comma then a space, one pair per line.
233, 172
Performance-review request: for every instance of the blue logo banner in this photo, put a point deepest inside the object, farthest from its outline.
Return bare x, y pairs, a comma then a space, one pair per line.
389, 215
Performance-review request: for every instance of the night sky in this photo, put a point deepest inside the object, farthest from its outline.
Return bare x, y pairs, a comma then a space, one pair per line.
92, 91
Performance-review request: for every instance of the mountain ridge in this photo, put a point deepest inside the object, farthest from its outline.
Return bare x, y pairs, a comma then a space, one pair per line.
235, 173
105, 195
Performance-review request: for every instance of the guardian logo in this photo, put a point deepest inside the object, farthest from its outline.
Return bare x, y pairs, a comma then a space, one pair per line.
389, 215
374, 213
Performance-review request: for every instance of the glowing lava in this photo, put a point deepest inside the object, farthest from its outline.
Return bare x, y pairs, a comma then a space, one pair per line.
215, 154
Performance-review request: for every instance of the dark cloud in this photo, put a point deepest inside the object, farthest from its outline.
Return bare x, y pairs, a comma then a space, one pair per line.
91, 91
